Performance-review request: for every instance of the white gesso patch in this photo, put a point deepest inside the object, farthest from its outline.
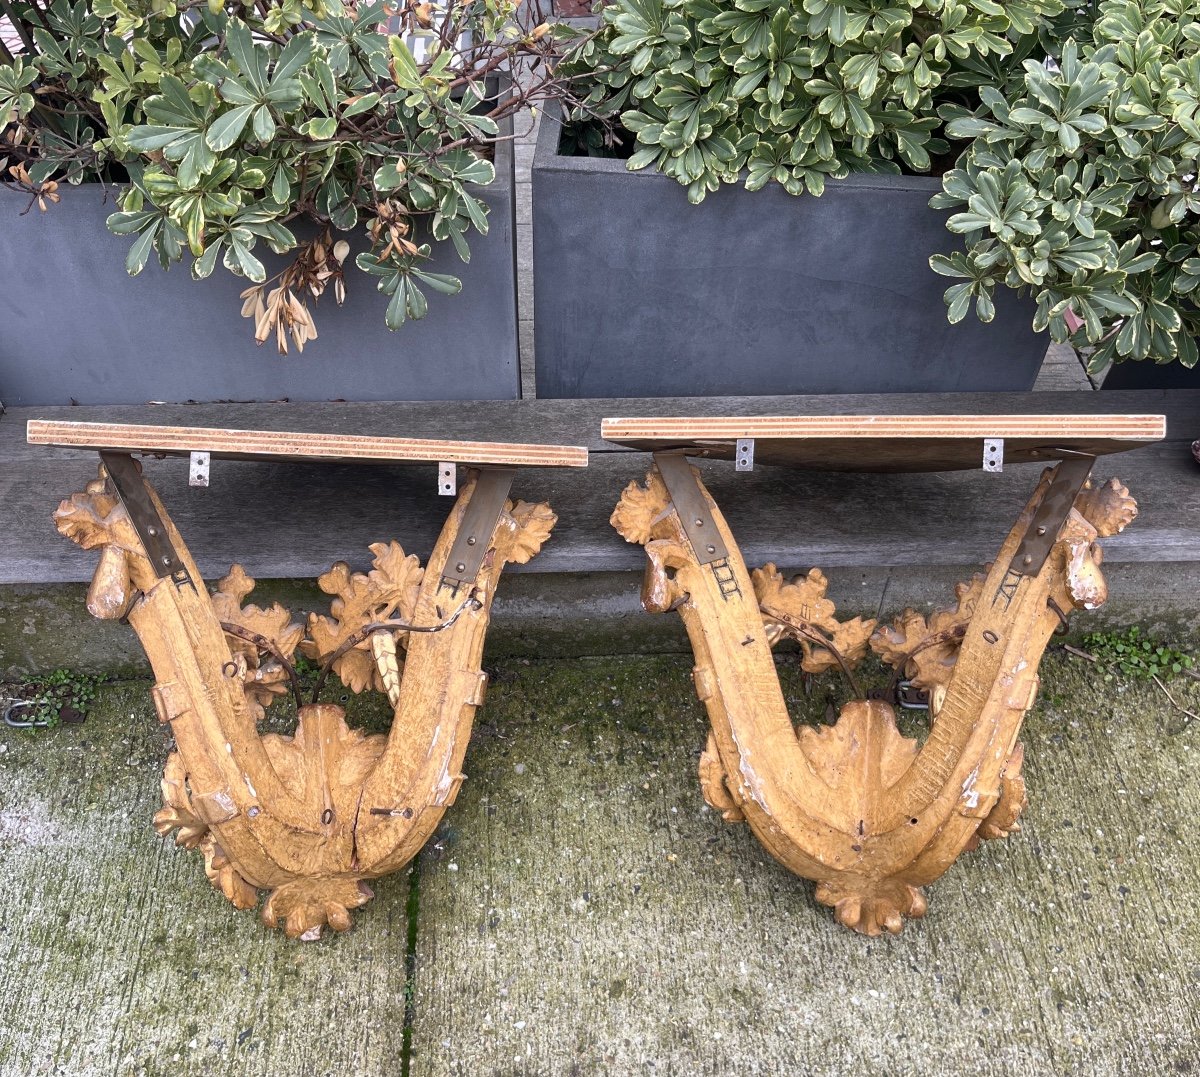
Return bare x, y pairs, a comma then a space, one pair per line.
970, 795
750, 780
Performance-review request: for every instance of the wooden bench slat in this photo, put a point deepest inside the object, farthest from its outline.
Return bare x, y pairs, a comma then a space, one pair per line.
888, 442
267, 445
323, 512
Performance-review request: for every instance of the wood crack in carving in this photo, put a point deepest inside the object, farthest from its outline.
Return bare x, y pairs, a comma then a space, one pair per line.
869, 815
310, 817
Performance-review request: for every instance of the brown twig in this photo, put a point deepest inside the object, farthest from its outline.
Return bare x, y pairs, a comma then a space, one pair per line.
1188, 715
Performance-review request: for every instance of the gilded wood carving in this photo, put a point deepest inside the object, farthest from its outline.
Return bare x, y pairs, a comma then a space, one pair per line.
871, 816
311, 817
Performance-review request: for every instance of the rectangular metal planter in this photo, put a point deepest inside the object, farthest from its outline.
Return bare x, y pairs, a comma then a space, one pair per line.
639, 293
75, 327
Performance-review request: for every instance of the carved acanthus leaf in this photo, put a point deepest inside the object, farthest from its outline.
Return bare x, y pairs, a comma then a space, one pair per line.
640, 507
936, 641
858, 756
225, 877
1108, 508
533, 524
1002, 820
389, 590
305, 906
864, 741
802, 600
264, 679
176, 813
94, 517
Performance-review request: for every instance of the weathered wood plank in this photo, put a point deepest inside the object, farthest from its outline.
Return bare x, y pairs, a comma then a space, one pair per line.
323, 513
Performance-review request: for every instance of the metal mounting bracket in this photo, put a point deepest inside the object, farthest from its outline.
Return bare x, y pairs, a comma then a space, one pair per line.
692, 506
1069, 478
744, 455
126, 479
479, 521
447, 479
198, 469
993, 454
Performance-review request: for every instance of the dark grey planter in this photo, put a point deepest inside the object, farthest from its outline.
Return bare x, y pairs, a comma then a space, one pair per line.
75, 327
639, 293
1148, 375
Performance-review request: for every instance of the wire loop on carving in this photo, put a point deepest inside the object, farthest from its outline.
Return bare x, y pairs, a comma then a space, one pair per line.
472, 601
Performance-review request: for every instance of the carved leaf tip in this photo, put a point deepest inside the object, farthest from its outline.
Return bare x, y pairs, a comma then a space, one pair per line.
718, 794
225, 877
1108, 508
176, 813
305, 906
803, 600
1004, 818
640, 506
871, 908
533, 523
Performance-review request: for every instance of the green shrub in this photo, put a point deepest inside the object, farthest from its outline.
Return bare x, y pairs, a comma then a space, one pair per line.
1067, 133
230, 121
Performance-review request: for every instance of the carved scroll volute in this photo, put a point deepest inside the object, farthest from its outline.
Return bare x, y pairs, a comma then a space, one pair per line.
96, 519
441, 683
872, 816
230, 786
292, 814
753, 767
965, 783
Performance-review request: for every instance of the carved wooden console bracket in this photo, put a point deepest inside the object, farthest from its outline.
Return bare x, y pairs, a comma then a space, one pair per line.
313, 816
871, 816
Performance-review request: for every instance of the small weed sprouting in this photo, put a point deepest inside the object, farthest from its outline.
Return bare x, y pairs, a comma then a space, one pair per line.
64, 695
1132, 655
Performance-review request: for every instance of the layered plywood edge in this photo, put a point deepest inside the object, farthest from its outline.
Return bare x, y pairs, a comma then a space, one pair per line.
888, 442
296, 445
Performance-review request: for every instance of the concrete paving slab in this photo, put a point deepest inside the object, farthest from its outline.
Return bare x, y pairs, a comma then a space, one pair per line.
118, 958
580, 912
587, 915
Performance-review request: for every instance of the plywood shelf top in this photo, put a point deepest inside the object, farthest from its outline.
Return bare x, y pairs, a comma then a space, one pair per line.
888, 442
267, 445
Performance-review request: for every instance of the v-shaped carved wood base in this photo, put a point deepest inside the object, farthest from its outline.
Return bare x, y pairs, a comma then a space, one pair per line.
313, 816
872, 817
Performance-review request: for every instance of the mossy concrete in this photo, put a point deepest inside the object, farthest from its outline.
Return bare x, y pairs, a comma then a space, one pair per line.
584, 913
117, 957
581, 912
